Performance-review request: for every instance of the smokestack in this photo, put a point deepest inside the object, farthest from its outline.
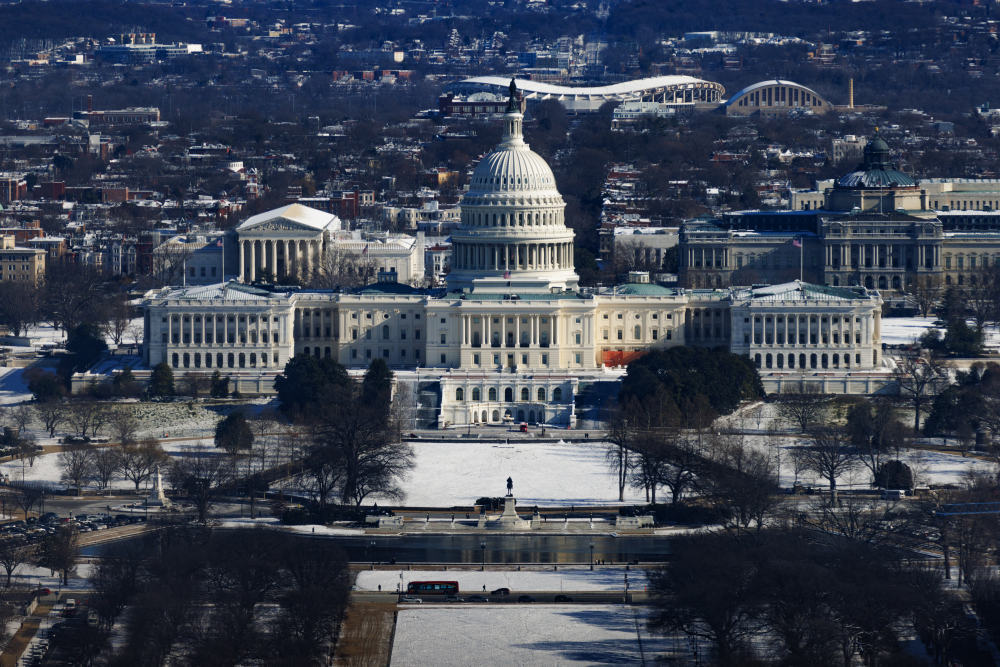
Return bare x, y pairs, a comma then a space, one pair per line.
850, 93
90, 102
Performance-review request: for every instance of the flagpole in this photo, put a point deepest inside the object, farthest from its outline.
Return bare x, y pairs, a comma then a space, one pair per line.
802, 246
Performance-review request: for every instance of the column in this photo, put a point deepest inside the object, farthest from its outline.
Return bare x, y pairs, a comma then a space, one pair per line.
253, 261
242, 272
517, 331
274, 259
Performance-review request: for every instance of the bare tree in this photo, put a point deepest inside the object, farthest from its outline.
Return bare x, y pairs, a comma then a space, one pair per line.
919, 379
170, 262
926, 295
28, 495
200, 478
617, 456
802, 406
139, 460
123, 424
13, 553
120, 316
19, 306
51, 414
86, 417
829, 456
77, 466
341, 268
107, 462
21, 417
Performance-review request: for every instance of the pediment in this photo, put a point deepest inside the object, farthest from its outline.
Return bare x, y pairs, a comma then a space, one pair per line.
279, 225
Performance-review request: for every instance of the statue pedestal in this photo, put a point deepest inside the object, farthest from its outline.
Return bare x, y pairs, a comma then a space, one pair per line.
509, 520
156, 496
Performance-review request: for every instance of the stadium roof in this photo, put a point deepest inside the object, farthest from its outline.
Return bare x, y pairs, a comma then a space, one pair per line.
770, 82
625, 89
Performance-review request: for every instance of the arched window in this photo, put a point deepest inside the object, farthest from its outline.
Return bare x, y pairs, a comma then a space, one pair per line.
508, 394
541, 393
243, 360
385, 332
459, 394
492, 393
175, 360
557, 395
496, 416
756, 360
525, 394
187, 360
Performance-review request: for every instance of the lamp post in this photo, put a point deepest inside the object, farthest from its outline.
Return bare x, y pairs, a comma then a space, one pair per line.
482, 547
591, 556
372, 545
626, 588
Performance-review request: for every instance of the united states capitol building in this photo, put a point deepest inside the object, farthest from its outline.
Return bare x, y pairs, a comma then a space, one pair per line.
512, 337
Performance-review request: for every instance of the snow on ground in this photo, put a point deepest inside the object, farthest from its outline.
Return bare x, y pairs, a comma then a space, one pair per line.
469, 581
307, 529
13, 388
544, 473
905, 330
522, 635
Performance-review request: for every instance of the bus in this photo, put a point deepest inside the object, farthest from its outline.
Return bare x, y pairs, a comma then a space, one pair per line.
432, 588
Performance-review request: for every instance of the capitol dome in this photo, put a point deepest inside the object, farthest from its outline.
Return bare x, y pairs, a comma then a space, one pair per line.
513, 236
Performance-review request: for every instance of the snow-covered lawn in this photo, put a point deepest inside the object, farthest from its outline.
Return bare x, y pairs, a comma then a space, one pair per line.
544, 473
905, 330
471, 581
522, 635
13, 388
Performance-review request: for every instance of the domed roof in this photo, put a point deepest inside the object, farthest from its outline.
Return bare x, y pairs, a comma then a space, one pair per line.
876, 169
512, 168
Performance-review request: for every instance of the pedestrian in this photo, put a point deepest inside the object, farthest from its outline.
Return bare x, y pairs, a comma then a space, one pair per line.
380, 588
484, 588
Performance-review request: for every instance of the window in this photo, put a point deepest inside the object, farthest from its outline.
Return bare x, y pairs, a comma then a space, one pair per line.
385, 354
475, 359
541, 394
621, 335
578, 337
476, 394
638, 332
492, 394
416, 334
444, 359
459, 394
385, 332
579, 358
655, 333
525, 396
557, 395
443, 321
545, 360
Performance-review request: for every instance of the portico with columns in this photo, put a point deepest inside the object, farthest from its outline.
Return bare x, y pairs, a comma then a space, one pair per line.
289, 242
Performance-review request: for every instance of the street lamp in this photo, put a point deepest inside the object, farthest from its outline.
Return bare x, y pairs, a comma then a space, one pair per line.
372, 545
482, 547
626, 588
591, 556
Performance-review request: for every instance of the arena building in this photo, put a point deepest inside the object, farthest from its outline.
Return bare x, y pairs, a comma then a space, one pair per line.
512, 337
776, 97
671, 90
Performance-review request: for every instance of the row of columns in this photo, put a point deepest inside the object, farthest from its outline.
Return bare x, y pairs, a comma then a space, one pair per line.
708, 257
538, 332
794, 323
298, 258
893, 254
513, 256
220, 327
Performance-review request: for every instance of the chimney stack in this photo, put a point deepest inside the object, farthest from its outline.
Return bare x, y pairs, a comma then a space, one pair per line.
850, 93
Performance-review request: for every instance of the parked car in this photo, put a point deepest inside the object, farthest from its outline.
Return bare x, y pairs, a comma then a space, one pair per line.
501, 591
410, 599
525, 598
454, 598
478, 598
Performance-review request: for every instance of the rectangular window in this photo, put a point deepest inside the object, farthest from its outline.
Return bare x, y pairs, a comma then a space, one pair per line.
444, 338
545, 360
416, 334
444, 359
656, 334
578, 338
579, 358
354, 354
402, 334
368, 354
368, 334
620, 335
385, 354
496, 359
524, 359
475, 359
670, 334
604, 334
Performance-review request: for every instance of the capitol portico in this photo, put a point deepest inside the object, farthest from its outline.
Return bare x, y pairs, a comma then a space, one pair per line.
513, 337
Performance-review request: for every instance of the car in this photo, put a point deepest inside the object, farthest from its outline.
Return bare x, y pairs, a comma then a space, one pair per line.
454, 598
43, 591
69, 608
478, 598
410, 599
563, 598
525, 598
500, 591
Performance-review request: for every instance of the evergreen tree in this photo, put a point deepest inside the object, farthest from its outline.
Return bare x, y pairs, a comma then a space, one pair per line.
161, 381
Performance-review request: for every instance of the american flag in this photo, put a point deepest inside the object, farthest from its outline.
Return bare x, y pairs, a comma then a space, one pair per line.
219, 243
365, 251
797, 243
506, 274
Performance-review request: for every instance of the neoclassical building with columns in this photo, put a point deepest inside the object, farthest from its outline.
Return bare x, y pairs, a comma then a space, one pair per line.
512, 337
290, 241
